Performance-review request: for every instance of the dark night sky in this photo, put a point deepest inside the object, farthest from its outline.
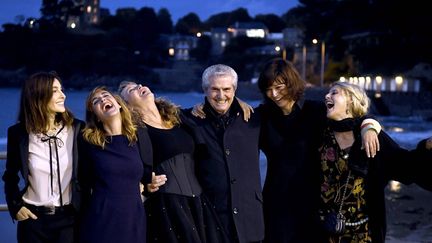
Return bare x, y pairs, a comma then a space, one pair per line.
9, 9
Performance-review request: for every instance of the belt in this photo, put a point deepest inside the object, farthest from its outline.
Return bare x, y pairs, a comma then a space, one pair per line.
50, 210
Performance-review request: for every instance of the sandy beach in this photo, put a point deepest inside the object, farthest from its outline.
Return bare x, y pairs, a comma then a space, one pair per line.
409, 215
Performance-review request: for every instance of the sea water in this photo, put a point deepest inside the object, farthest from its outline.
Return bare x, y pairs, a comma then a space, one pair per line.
405, 131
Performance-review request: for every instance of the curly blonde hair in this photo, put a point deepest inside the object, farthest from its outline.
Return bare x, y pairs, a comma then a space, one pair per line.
170, 112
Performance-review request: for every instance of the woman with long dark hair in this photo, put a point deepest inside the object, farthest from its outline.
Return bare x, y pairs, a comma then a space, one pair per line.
42, 148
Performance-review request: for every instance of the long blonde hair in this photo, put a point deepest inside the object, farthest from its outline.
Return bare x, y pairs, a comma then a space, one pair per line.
94, 132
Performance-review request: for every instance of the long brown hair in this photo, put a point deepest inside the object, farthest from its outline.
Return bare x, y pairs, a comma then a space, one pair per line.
94, 131
280, 71
36, 93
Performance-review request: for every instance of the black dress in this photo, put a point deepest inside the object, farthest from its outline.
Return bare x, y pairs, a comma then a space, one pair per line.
115, 212
178, 212
291, 189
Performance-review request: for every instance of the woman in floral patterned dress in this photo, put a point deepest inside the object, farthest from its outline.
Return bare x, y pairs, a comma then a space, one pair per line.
352, 189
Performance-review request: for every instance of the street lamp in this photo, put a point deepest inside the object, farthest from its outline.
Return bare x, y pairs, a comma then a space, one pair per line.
322, 63
281, 48
304, 62
315, 41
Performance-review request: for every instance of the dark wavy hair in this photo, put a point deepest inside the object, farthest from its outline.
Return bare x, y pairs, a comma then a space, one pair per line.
280, 71
36, 93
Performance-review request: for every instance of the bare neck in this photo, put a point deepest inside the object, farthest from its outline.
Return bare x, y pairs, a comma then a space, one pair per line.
113, 127
286, 110
151, 116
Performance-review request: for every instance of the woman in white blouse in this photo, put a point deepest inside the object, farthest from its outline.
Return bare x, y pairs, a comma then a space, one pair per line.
42, 148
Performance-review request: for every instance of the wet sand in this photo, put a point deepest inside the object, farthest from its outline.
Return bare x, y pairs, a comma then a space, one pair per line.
409, 215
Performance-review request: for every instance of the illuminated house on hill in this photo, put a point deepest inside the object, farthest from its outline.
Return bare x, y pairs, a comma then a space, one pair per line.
249, 29
76, 14
221, 36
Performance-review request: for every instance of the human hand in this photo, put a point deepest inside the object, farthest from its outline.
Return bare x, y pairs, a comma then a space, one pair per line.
370, 143
198, 111
157, 181
247, 109
24, 213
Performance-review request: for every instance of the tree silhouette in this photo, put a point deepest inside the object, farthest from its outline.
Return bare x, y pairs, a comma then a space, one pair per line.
164, 21
189, 24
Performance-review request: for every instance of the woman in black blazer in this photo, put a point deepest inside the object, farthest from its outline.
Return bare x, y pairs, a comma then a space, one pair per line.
42, 148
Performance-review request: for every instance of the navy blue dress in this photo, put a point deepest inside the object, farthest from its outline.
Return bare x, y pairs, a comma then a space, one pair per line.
115, 211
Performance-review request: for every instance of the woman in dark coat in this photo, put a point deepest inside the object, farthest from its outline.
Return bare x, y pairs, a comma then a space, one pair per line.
291, 132
178, 211
352, 188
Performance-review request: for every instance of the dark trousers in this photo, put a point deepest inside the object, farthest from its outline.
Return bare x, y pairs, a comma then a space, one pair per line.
56, 228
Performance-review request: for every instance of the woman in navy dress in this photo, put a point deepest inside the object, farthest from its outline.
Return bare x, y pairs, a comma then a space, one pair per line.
178, 212
113, 169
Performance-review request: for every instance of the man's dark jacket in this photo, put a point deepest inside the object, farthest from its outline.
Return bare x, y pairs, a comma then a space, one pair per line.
228, 169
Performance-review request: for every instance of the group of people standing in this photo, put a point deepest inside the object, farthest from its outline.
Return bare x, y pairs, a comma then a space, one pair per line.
140, 169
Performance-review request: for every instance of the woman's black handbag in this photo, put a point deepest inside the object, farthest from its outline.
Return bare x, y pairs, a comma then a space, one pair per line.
334, 223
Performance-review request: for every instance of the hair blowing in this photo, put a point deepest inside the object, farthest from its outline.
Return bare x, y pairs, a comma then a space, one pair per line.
36, 93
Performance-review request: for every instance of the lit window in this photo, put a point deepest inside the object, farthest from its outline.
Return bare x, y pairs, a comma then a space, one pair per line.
399, 80
255, 33
171, 51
